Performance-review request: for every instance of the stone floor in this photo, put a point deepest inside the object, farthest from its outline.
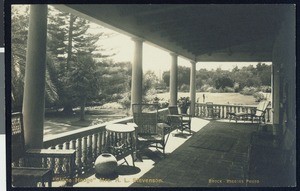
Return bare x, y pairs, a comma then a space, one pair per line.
215, 155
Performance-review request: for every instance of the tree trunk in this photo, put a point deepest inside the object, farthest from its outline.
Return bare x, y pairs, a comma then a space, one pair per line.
82, 109
70, 36
68, 109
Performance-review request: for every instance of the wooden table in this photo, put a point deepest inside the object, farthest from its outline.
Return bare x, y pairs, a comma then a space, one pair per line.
120, 140
26, 176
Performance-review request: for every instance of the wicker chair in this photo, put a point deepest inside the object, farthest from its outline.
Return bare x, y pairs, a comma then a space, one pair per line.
256, 113
179, 121
150, 133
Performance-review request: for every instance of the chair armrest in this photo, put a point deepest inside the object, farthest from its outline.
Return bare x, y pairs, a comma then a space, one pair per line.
163, 128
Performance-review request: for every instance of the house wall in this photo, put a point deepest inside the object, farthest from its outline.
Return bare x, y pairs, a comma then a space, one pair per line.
284, 92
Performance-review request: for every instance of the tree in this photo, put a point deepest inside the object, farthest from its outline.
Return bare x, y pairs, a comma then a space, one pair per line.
183, 76
84, 81
115, 80
19, 30
166, 78
68, 38
264, 73
20, 20
223, 81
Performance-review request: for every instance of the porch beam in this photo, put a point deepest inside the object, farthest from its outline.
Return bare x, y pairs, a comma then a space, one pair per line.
173, 79
137, 72
34, 84
193, 88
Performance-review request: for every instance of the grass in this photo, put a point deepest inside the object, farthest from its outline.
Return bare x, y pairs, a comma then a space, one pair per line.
217, 98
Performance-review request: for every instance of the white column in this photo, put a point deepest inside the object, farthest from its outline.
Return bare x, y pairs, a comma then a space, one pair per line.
34, 85
137, 72
173, 80
193, 88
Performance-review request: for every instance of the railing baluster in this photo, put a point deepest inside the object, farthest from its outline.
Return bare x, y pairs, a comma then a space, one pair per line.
90, 150
67, 147
73, 146
79, 155
99, 148
84, 152
222, 111
60, 161
95, 143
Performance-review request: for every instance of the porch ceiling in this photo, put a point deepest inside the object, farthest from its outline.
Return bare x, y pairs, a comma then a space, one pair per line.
195, 31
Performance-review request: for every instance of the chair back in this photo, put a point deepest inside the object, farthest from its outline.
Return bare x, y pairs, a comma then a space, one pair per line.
18, 149
173, 110
261, 108
146, 118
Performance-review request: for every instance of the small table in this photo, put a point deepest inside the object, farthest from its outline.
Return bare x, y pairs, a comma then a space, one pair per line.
120, 141
26, 176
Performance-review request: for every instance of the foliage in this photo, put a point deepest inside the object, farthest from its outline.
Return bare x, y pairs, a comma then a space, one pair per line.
249, 90
219, 79
149, 82
161, 102
184, 102
222, 81
185, 88
69, 41
266, 89
183, 76
259, 96
83, 80
228, 89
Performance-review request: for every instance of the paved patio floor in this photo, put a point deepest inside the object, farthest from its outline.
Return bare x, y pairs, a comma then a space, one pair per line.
214, 156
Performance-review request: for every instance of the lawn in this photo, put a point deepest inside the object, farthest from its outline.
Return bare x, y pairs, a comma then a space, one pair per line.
217, 98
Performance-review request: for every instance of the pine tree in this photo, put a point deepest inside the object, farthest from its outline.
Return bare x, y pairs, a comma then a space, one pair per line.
68, 39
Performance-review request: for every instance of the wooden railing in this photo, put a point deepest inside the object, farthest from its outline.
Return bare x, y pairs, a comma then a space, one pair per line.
88, 142
223, 109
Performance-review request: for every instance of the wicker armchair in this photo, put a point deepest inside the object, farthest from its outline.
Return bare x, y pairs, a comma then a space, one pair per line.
150, 133
179, 121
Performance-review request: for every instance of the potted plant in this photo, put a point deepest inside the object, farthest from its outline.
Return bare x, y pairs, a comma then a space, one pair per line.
183, 104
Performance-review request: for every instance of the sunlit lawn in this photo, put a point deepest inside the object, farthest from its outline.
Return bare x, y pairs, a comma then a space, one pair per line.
217, 98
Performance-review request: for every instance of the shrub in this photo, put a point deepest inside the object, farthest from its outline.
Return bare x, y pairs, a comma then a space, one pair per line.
266, 89
207, 88
249, 90
185, 88
236, 87
228, 89
125, 101
212, 90
259, 96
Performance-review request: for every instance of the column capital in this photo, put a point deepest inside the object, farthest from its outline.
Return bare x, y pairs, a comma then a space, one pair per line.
137, 39
193, 62
173, 54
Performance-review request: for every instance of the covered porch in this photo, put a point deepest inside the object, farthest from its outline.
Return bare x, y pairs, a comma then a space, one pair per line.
216, 155
183, 31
